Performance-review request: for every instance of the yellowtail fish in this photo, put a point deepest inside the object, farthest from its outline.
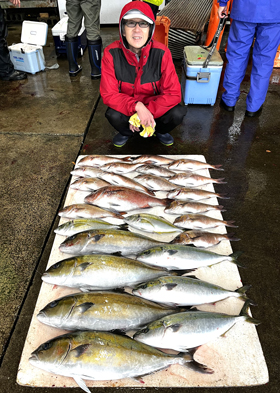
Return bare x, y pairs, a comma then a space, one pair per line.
101, 311
150, 223
185, 291
190, 329
72, 227
100, 272
191, 165
104, 356
122, 199
180, 257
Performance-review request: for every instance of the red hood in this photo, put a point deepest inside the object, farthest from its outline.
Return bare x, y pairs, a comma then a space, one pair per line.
141, 6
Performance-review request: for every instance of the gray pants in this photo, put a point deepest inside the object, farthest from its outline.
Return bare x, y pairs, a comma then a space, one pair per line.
90, 9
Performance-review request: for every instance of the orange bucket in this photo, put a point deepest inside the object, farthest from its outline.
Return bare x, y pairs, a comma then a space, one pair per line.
162, 29
277, 58
213, 24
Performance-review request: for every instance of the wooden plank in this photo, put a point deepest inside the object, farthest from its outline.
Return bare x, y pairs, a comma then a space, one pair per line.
237, 358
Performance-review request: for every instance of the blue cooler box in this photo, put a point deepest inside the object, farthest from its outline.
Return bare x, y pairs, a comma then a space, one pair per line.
59, 32
200, 85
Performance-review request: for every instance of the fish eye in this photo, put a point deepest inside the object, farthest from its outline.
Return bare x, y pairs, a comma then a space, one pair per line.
148, 252
53, 304
46, 346
56, 265
145, 330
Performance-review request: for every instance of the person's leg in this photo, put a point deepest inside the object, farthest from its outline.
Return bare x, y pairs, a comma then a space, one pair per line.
7, 71
264, 52
168, 122
240, 40
120, 122
75, 16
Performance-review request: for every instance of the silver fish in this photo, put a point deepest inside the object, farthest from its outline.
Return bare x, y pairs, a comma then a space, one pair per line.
86, 171
100, 272
191, 165
123, 181
97, 160
120, 167
190, 329
101, 311
155, 183
103, 356
88, 184
180, 257
149, 158
195, 194
185, 291
150, 223
200, 221
122, 199
151, 169
108, 241
193, 180
72, 227
182, 207
202, 239
82, 210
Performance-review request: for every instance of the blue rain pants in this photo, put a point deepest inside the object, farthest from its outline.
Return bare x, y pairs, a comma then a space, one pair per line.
240, 40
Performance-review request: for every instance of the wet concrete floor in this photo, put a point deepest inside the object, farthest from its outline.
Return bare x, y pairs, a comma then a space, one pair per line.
49, 119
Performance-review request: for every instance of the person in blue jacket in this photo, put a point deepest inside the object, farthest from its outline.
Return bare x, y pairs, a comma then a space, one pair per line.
250, 18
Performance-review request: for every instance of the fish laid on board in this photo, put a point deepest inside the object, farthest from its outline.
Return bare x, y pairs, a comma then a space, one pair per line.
185, 291
190, 329
107, 241
88, 184
97, 160
150, 223
104, 356
182, 207
191, 165
72, 227
151, 169
101, 311
180, 257
123, 181
195, 194
82, 210
86, 171
202, 239
155, 183
193, 180
100, 272
200, 221
120, 167
122, 199
149, 158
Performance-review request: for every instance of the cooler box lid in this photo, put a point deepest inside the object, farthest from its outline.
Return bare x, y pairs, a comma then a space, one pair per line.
34, 33
196, 56
60, 28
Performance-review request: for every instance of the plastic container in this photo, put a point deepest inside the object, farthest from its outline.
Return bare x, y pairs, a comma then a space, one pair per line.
277, 58
200, 85
28, 56
59, 32
162, 29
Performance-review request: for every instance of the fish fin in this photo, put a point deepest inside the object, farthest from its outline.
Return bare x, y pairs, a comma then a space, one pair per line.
242, 291
117, 253
217, 167
83, 266
172, 252
119, 332
96, 238
220, 181
138, 379
80, 350
234, 257
230, 224
81, 383
180, 272
124, 227
244, 313
201, 368
85, 306
169, 287
232, 237
223, 196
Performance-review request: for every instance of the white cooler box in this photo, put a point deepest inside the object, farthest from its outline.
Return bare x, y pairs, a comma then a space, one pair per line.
59, 32
28, 56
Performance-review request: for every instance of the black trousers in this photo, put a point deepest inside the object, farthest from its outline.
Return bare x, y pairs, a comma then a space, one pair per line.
6, 66
164, 124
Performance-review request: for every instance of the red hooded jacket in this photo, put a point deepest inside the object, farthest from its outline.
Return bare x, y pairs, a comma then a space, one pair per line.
152, 81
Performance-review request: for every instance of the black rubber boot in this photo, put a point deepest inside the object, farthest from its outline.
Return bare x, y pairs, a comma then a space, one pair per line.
72, 55
94, 51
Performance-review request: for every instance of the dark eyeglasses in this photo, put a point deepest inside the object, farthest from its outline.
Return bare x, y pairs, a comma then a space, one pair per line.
131, 24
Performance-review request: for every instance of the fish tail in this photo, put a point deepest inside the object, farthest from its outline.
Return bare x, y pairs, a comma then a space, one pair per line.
167, 202
220, 207
189, 362
232, 237
244, 313
234, 257
223, 196
220, 181
242, 292
230, 224
217, 167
